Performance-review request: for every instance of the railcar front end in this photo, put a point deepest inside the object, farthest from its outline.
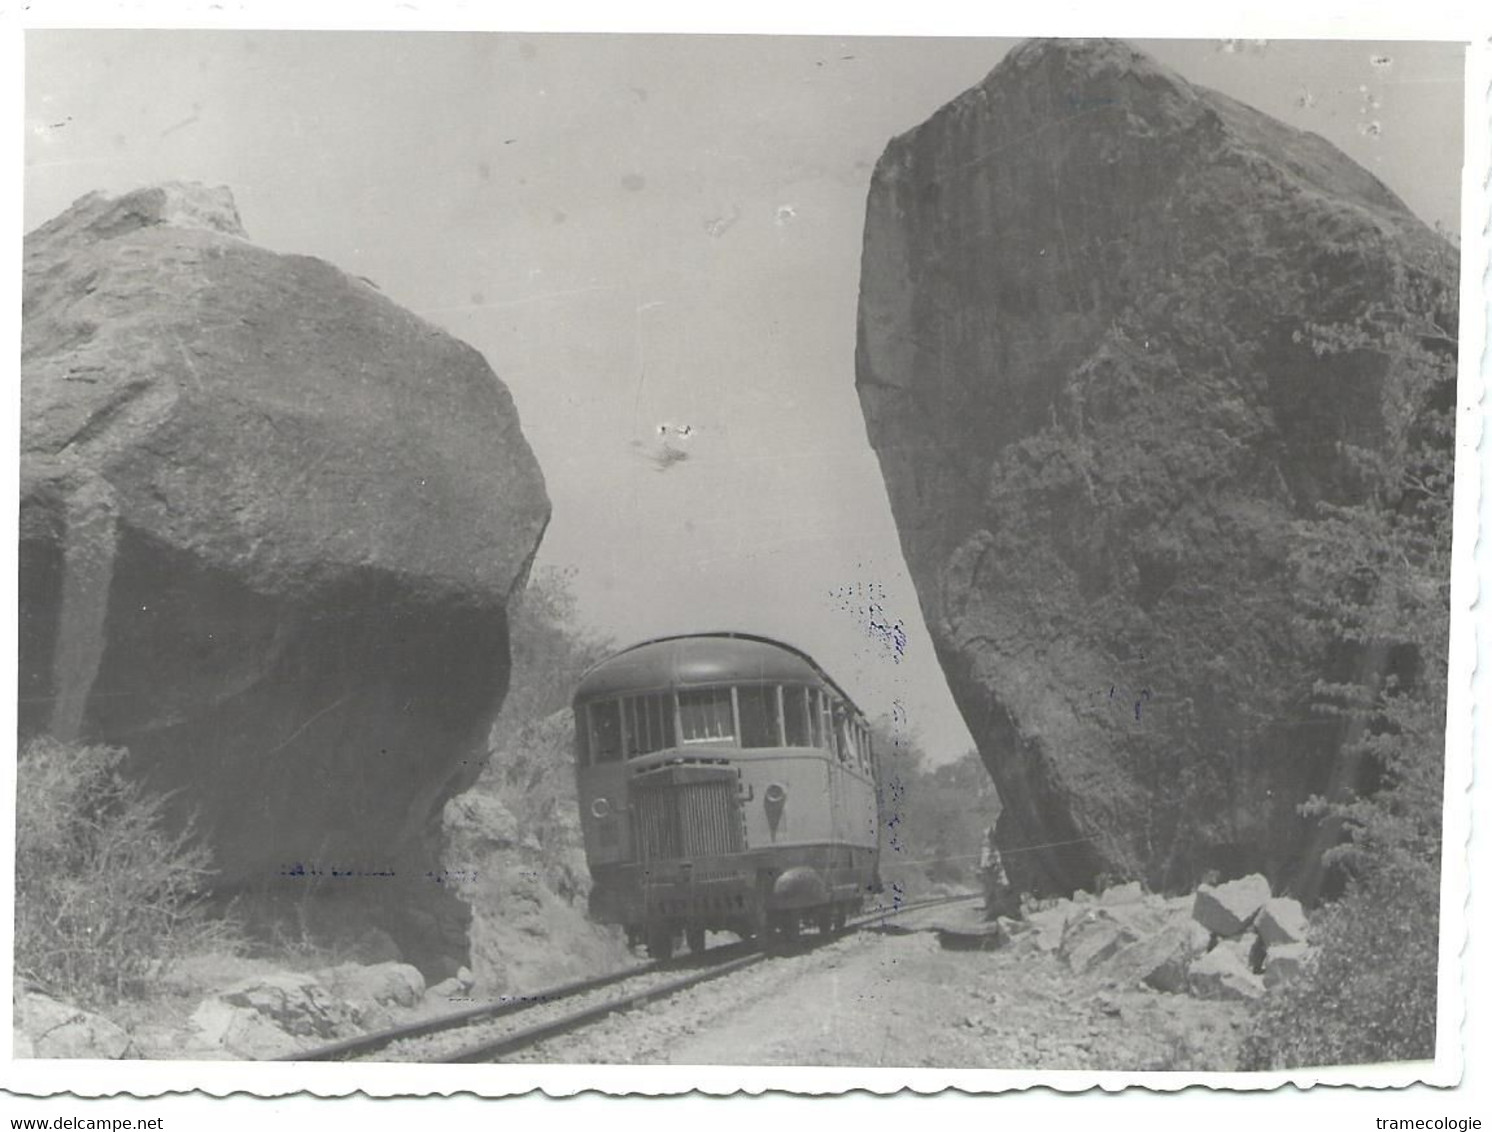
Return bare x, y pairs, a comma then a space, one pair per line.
725, 784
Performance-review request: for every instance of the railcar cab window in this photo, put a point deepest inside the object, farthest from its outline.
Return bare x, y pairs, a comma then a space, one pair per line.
606, 731
706, 716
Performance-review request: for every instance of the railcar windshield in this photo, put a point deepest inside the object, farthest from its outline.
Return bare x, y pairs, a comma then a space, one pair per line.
760, 722
706, 716
650, 724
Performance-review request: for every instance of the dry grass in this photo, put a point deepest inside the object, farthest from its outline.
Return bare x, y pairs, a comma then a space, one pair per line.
107, 897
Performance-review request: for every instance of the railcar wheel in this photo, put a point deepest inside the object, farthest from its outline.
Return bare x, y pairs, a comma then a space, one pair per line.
660, 943
695, 937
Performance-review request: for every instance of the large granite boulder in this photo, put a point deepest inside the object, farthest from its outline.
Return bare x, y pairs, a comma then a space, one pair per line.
1092, 364
270, 522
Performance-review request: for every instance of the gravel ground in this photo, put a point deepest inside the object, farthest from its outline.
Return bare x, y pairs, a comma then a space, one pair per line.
896, 998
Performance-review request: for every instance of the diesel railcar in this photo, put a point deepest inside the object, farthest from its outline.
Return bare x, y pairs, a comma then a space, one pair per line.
726, 783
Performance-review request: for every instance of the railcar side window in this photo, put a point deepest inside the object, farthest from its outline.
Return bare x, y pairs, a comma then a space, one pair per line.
826, 721
649, 724
705, 716
758, 708
845, 735
606, 731
795, 717
815, 718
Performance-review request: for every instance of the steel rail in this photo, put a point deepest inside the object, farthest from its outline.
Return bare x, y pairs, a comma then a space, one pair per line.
368, 1043
543, 1031
578, 1020
365, 1044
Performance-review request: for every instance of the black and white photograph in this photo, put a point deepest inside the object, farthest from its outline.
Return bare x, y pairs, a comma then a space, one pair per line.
684, 559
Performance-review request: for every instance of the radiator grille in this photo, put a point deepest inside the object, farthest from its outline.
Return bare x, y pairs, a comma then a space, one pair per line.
696, 819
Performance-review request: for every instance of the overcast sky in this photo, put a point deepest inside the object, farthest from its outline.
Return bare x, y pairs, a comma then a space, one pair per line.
649, 233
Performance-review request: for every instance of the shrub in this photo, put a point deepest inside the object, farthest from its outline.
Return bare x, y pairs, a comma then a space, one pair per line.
106, 895
1369, 996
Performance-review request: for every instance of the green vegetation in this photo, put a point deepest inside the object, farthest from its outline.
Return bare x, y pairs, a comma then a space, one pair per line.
516, 832
934, 817
1370, 996
550, 650
106, 897
1374, 586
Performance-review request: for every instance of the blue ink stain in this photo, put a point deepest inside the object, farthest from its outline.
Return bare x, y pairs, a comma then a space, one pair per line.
1145, 695
301, 869
866, 601
441, 876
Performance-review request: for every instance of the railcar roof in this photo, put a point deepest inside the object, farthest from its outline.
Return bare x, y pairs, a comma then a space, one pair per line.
702, 659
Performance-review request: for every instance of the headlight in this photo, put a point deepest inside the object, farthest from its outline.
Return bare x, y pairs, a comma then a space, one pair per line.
600, 808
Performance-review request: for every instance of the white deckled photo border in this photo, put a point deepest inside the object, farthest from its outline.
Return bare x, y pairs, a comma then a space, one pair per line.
1461, 1016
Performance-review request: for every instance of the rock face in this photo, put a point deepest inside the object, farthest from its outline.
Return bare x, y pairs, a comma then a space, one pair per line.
1087, 365
270, 521
515, 853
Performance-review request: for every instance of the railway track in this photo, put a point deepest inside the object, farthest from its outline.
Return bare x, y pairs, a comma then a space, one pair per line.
495, 1029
